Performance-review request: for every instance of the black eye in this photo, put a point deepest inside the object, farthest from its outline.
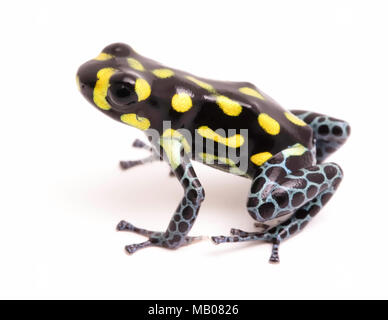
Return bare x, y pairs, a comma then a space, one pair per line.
122, 92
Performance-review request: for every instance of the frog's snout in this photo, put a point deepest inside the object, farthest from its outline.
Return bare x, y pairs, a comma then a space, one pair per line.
85, 79
87, 73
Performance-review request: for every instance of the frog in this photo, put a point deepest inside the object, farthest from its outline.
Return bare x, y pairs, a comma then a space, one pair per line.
284, 150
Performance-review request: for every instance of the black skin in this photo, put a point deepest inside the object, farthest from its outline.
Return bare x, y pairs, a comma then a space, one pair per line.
287, 190
157, 108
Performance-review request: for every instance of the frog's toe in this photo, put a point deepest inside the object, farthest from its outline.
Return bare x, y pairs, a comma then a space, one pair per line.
124, 225
235, 238
238, 232
275, 252
261, 225
138, 144
218, 239
132, 163
132, 248
124, 165
141, 145
189, 240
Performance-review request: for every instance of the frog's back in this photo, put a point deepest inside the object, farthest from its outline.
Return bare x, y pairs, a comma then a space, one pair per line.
240, 105
270, 128
223, 105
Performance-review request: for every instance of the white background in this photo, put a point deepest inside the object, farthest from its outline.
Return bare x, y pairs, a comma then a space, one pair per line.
62, 192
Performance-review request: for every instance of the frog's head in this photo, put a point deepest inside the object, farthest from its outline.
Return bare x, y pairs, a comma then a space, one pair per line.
109, 84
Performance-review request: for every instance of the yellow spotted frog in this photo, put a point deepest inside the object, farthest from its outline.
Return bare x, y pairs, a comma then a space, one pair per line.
232, 126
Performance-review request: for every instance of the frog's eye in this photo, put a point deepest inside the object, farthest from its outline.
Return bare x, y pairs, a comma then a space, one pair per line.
122, 91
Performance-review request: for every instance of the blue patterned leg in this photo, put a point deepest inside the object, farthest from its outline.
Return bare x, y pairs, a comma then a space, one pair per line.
293, 199
329, 132
186, 213
283, 231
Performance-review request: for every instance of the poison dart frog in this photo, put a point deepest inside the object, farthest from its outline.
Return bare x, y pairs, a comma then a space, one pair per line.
283, 150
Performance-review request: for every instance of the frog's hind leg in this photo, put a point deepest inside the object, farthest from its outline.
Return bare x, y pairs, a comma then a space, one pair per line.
329, 132
296, 197
283, 231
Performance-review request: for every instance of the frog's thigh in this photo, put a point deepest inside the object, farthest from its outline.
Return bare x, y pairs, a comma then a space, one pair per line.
271, 199
289, 227
320, 183
302, 216
330, 133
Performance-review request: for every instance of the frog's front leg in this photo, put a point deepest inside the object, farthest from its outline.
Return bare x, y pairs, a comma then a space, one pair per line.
187, 211
132, 163
153, 157
294, 198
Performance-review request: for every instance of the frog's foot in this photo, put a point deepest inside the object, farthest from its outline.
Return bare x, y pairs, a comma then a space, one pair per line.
132, 163
126, 226
124, 165
141, 145
240, 235
275, 252
238, 232
129, 164
157, 239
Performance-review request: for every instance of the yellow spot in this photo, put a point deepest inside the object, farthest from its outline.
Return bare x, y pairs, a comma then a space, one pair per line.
260, 158
133, 120
135, 64
103, 56
211, 158
251, 92
234, 141
101, 88
142, 89
171, 133
78, 84
181, 102
296, 150
172, 149
269, 124
202, 84
229, 106
163, 73
294, 119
